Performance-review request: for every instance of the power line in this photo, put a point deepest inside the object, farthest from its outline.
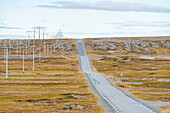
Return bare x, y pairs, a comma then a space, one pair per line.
39, 30
28, 32
6, 63
23, 61
33, 59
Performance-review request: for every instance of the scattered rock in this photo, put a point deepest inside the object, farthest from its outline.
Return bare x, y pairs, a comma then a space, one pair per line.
81, 107
66, 108
54, 110
136, 46
74, 105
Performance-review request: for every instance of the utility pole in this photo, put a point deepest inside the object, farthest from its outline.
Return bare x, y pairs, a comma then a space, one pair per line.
60, 34
33, 34
39, 54
44, 47
43, 32
4, 50
20, 47
34, 45
26, 48
4, 55
45, 44
47, 49
51, 49
33, 59
28, 32
17, 47
43, 38
54, 48
39, 30
23, 61
9, 46
6, 63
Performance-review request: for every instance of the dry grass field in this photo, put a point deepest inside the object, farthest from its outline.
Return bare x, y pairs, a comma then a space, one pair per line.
146, 79
56, 83
93, 48
43, 93
47, 65
55, 47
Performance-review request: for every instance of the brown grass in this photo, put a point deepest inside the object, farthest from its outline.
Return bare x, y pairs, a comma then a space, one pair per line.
138, 71
96, 51
165, 109
40, 43
42, 93
47, 65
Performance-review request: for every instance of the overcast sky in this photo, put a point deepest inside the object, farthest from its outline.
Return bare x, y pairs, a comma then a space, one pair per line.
86, 18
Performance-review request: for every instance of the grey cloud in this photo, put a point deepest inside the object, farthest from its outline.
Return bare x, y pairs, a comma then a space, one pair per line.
106, 6
12, 36
140, 24
6, 27
85, 33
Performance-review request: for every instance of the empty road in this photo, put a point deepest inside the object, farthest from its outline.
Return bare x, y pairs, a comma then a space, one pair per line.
116, 99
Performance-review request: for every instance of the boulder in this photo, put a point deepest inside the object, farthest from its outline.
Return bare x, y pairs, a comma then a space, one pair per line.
74, 105
54, 110
81, 107
66, 108
155, 45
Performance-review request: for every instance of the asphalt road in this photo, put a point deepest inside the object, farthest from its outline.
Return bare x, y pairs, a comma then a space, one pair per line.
116, 98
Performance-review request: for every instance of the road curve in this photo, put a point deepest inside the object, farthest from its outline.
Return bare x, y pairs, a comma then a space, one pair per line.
116, 99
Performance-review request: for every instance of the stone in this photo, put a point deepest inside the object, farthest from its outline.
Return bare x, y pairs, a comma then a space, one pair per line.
167, 45
54, 110
118, 50
155, 45
81, 107
103, 48
163, 41
113, 47
74, 105
137, 50
145, 45
127, 49
146, 49
66, 108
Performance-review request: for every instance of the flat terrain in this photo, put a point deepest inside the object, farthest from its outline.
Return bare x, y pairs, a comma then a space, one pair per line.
119, 102
47, 65
56, 83
147, 79
128, 46
144, 77
44, 47
45, 93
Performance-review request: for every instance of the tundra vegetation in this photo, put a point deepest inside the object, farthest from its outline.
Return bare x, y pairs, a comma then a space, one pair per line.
56, 85
128, 46
146, 71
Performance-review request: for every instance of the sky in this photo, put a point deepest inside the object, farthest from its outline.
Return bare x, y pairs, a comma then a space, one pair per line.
86, 18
